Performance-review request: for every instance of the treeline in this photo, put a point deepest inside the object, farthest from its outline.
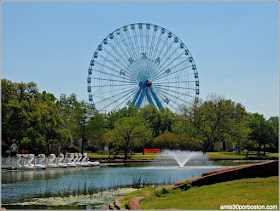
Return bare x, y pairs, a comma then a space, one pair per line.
35, 121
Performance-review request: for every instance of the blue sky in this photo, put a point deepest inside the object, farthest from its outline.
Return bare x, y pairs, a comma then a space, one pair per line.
235, 44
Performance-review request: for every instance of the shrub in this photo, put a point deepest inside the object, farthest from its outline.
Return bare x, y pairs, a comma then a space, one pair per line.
190, 143
167, 141
72, 149
92, 149
162, 191
177, 141
186, 185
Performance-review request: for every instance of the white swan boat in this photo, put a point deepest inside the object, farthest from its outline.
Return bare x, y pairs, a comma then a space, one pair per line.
79, 162
28, 165
75, 159
51, 164
84, 161
72, 160
40, 165
60, 159
69, 158
89, 163
18, 159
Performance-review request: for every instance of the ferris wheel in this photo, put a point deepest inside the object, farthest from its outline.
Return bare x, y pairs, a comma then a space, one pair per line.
140, 64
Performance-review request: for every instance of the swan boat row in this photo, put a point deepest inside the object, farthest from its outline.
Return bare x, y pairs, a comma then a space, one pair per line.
70, 160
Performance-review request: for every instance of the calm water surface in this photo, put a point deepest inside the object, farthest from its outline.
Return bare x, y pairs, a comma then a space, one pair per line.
20, 186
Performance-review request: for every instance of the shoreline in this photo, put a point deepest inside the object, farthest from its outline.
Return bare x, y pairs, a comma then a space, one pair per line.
158, 161
122, 161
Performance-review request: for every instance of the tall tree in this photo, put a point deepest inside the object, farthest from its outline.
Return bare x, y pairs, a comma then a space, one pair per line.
262, 131
95, 130
29, 118
214, 120
274, 121
167, 119
114, 116
129, 132
151, 114
15, 98
78, 117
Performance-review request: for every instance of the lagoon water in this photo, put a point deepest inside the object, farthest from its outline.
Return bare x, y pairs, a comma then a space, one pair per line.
19, 188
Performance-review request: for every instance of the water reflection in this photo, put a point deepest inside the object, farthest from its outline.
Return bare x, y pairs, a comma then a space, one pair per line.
21, 175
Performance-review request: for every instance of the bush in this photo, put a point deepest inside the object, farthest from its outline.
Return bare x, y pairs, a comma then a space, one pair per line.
167, 141
72, 149
162, 191
177, 141
190, 143
92, 149
186, 185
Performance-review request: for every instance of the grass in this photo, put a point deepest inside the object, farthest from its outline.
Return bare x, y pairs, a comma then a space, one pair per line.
135, 156
66, 192
146, 156
242, 155
253, 191
211, 155
96, 155
139, 192
274, 155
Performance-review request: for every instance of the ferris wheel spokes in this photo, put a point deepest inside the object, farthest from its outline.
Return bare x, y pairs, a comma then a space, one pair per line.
142, 64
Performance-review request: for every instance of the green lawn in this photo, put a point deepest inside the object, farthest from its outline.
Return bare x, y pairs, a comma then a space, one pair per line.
137, 193
254, 191
211, 155
242, 155
96, 155
135, 156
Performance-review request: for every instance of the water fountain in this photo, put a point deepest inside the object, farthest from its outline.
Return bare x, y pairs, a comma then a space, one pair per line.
184, 156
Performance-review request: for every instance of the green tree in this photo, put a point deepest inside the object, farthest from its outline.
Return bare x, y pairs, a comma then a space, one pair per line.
152, 115
29, 118
114, 116
167, 119
214, 120
97, 127
262, 131
15, 97
111, 139
274, 121
129, 131
78, 117
146, 141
